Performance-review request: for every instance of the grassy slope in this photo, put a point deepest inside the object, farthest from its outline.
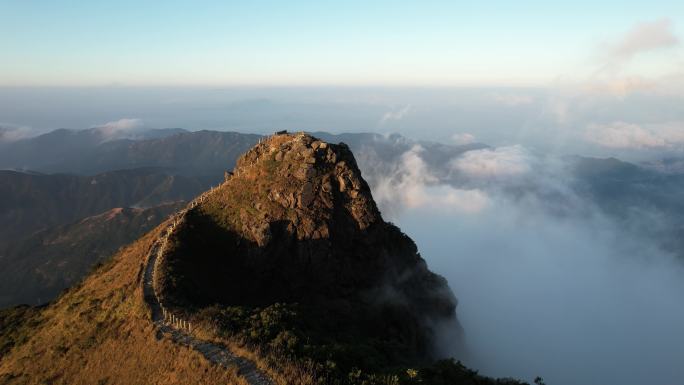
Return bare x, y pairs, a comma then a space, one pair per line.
99, 332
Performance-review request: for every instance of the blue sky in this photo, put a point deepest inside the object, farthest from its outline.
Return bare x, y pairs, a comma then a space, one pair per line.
425, 43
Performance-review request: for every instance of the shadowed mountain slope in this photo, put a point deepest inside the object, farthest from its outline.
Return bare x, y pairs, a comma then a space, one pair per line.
34, 270
33, 202
99, 332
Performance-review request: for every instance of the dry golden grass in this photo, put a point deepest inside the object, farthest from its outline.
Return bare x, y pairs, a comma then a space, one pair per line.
281, 369
100, 333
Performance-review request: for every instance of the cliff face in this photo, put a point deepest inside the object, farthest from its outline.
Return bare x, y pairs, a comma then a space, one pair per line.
296, 223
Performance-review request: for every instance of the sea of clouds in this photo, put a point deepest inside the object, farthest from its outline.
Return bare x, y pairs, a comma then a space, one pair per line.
548, 284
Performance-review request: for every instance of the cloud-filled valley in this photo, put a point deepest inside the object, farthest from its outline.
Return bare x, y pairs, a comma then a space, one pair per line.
551, 282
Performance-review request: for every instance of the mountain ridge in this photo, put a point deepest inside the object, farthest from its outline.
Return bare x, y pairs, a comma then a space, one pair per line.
32, 202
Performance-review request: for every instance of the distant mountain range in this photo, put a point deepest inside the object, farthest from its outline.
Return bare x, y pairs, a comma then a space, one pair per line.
31, 202
647, 200
89, 152
178, 151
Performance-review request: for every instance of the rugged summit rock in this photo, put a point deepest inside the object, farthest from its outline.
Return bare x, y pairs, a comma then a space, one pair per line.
296, 223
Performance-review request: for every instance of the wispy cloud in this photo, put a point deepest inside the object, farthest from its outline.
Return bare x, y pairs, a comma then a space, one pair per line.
644, 37
463, 138
116, 128
488, 163
395, 114
12, 133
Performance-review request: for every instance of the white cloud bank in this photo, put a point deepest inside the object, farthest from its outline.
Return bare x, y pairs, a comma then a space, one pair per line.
412, 185
537, 292
621, 135
545, 278
493, 163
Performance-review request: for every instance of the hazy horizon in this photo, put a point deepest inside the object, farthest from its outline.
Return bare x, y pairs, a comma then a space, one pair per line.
641, 125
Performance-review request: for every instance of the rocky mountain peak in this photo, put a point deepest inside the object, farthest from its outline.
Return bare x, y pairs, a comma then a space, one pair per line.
308, 182
295, 222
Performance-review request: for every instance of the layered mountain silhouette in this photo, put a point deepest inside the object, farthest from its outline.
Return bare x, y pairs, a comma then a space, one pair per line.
198, 153
286, 271
32, 202
35, 269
